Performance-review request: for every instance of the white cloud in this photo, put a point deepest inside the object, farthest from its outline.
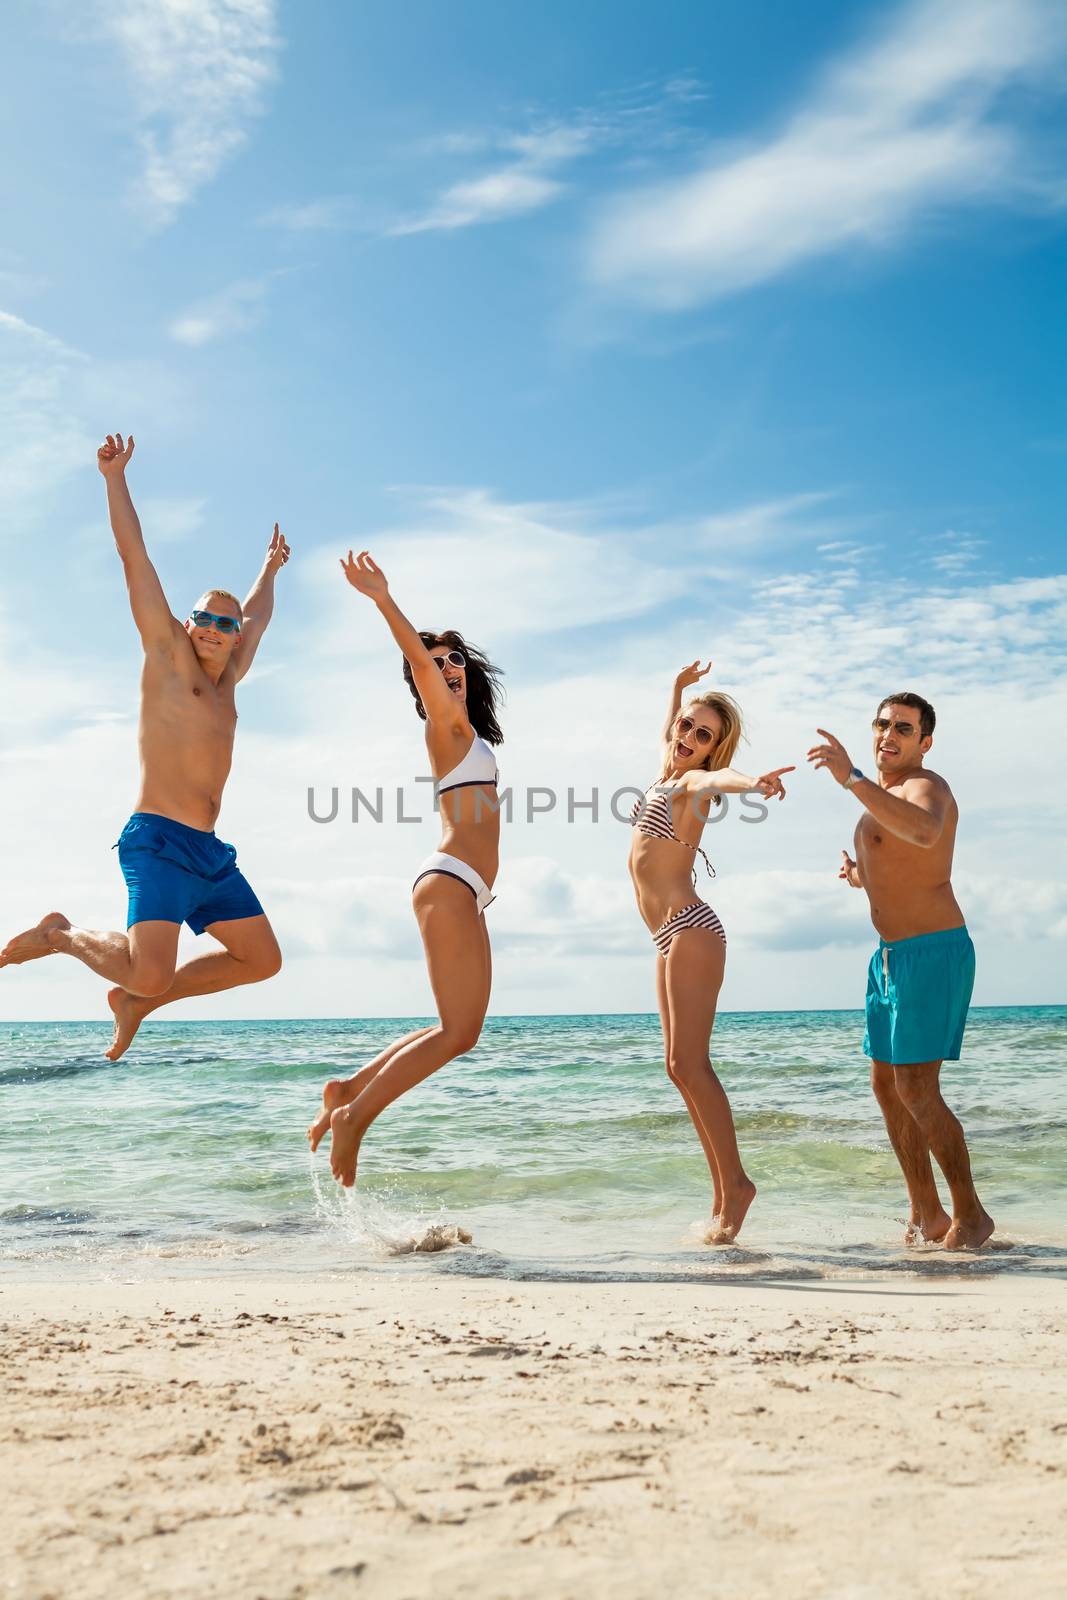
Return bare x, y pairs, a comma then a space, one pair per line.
170, 519
902, 128
198, 70
958, 553
42, 436
19, 328
313, 216
233, 310
765, 522
519, 569
795, 649
531, 161
506, 193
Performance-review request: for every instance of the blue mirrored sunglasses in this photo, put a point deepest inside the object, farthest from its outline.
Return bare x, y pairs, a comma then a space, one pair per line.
208, 619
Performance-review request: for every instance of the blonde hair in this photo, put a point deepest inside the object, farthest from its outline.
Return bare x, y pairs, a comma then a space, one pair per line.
728, 711
224, 594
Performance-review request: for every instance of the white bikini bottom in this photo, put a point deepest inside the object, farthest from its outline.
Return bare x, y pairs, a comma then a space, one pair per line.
453, 867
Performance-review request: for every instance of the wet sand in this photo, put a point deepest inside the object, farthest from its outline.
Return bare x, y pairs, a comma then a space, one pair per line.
417, 1434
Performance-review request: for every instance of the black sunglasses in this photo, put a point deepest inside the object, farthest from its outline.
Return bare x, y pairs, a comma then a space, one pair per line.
883, 725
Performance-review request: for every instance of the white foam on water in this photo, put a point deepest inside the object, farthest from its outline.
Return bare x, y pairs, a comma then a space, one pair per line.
376, 1223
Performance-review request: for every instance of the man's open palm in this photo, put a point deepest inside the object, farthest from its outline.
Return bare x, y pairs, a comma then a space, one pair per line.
112, 457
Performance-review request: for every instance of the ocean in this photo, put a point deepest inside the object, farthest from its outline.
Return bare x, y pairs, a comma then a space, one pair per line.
558, 1143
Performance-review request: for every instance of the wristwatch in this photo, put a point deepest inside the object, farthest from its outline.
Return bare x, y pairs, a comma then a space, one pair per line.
854, 776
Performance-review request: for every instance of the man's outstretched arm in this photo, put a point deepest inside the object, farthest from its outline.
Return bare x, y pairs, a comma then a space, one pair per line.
916, 816
259, 606
151, 613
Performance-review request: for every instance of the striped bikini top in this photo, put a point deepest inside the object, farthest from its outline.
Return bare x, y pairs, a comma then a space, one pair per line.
654, 819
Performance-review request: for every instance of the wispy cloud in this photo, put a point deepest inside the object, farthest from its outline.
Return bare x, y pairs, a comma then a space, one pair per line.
38, 337
170, 519
313, 216
198, 70
523, 169
505, 193
955, 553
527, 180
530, 567
764, 522
232, 310
904, 127
42, 434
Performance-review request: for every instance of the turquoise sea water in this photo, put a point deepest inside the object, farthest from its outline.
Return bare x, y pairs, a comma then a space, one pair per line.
559, 1143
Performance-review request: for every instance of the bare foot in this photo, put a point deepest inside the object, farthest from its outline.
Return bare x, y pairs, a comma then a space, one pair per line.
129, 1012
970, 1235
344, 1146
931, 1231
727, 1226
34, 943
338, 1092
333, 1095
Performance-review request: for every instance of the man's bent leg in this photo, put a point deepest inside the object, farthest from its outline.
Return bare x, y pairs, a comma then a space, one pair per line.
918, 1086
142, 960
250, 954
928, 1215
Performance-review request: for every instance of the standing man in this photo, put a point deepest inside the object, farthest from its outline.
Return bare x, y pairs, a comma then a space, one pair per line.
920, 978
176, 870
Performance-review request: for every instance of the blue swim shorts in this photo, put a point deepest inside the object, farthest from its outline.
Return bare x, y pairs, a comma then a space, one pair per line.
179, 874
918, 991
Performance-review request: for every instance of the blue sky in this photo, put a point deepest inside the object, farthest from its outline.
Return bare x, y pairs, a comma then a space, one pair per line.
621, 334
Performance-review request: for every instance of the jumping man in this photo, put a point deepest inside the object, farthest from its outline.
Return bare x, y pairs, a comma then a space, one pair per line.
176, 870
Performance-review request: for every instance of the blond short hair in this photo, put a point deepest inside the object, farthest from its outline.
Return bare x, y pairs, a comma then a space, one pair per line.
224, 594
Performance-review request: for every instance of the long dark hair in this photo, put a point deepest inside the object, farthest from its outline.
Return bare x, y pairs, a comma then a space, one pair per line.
483, 683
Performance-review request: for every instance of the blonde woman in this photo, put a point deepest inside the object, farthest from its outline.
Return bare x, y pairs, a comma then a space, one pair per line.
699, 742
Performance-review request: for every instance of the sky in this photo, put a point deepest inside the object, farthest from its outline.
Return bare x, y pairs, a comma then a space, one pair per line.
621, 334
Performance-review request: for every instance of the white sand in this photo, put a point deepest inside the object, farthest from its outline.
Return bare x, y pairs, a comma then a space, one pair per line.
421, 1435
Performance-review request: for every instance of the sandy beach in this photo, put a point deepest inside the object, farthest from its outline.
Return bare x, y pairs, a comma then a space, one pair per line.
410, 1435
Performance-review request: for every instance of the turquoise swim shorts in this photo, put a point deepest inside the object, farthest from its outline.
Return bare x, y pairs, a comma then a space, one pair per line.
918, 991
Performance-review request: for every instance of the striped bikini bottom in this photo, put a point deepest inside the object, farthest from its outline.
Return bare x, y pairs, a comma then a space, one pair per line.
697, 915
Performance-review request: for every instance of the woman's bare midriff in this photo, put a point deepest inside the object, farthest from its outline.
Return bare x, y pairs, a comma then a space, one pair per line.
470, 828
662, 873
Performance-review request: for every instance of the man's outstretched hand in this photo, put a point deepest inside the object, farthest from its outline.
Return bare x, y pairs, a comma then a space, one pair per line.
831, 755
112, 457
277, 551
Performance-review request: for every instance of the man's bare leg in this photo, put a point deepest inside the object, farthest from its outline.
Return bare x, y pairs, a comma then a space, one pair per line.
250, 955
456, 942
34, 943
342, 1091
141, 961
928, 1219
919, 1088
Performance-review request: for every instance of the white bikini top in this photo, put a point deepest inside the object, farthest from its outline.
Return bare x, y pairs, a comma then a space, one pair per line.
478, 766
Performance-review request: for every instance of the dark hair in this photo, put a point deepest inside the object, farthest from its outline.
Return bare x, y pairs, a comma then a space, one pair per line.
483, 683
927, 720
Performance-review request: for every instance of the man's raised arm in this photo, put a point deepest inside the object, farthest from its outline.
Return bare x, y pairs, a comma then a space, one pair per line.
917, 815
151, 613
259, 606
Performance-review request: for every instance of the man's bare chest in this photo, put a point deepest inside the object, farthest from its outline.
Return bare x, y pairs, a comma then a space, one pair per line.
188, 708
877, 844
